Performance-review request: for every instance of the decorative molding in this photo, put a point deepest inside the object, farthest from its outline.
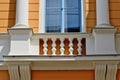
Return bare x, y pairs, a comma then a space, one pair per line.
104, 30
25, 72
100, 71
111, 71
14, 72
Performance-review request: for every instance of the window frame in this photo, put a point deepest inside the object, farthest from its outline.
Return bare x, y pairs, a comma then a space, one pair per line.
42, 11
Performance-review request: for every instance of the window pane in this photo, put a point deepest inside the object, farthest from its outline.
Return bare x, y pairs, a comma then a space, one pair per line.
71, 3
72, 15
53, 3
52, 15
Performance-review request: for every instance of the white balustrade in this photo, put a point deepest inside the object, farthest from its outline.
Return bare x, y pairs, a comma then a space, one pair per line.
45, 46
79, 46
71, 46
53, 46
62, 48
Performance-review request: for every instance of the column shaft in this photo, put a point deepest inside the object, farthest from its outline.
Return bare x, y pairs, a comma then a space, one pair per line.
22, 13
102, 9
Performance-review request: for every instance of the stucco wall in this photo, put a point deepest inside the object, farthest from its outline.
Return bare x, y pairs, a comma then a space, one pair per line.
63, 75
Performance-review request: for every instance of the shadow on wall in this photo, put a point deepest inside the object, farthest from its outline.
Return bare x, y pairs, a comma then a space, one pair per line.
90, 14
11, 13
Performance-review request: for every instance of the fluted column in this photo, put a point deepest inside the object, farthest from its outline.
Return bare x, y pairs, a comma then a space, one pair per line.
102, 8
21, 14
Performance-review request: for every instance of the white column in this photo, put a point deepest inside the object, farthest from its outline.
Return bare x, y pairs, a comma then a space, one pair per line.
21, 13
102, 8
42, 16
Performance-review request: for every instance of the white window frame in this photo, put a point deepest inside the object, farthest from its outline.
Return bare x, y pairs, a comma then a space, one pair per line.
42, 16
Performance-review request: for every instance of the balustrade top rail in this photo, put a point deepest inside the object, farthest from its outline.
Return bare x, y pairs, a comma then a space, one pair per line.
60, 35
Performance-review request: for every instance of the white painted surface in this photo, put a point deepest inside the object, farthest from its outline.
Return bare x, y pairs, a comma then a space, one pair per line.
90, 46
104, 41
21, 13
20, 41
34, 47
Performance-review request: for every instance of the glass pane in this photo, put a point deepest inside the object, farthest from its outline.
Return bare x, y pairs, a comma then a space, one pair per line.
72, 23
53, 3
52, 15
72, 16
71, 3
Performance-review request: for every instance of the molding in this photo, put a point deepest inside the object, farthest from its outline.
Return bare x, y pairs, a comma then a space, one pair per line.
20, 31
111, 71
104, 30
61, 35
24, 70
107, 57
100, 71
62, 63
14, 72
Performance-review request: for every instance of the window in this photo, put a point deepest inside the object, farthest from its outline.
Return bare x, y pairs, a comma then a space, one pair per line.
62, 16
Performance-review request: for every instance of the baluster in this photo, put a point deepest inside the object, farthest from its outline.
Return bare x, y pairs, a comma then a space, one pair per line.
53, 46
79, 46
62, 46
71, 46
45, 46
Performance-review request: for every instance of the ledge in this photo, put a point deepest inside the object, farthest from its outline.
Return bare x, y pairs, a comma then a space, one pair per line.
115, 57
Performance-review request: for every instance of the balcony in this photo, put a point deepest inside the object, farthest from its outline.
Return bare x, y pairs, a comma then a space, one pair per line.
23, 42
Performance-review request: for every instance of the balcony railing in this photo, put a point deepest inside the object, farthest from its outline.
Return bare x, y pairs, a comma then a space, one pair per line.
62, 44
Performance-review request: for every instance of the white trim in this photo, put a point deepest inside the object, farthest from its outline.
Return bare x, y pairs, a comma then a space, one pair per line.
83, 8
63, 18
42, 16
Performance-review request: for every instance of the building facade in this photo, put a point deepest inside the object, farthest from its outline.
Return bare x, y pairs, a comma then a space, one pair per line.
59, 40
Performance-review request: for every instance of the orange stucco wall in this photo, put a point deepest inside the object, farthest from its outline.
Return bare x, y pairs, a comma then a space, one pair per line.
63, 75
4, 75
115, 13
34, 14
90, 14
7, 14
